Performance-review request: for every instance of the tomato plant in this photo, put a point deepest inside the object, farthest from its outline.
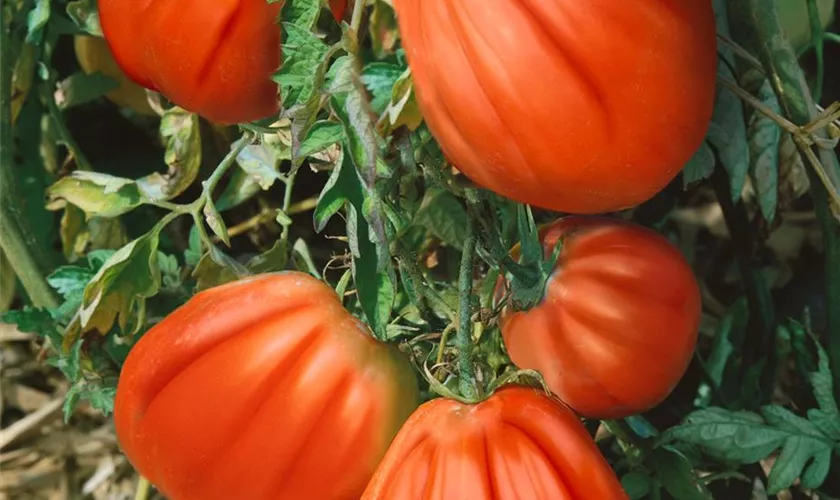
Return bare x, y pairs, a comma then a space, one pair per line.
571, 140
261, 388
618, 323
518, 443
293, 263
216, 61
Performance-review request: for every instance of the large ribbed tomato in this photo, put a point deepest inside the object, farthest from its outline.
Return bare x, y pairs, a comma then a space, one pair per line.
571, 105
618, 324
265, 388
519, 443
212, 58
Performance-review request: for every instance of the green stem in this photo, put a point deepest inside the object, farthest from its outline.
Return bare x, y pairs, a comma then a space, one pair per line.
464, 338
795, 99
142, 492
832, 37
210, 184
760, 338
64, 135
356, 19
287, 202
26, 254
817, 41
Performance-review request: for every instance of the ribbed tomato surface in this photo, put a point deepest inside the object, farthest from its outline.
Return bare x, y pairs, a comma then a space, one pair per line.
214, 58
582, 106
618, 324
266, 388
518, 444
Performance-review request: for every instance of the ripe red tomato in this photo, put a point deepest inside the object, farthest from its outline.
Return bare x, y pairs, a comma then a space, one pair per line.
575, 106
338, 7
266, 388
618, 324
211, 58
519, 443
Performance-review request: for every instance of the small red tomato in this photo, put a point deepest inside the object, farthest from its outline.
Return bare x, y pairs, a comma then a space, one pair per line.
338, 7
265, 388
618, 324
519, 443
211, 58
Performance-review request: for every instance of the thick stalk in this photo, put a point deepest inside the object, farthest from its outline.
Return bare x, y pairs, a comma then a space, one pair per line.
760, 337
791, 89
28, 256
464, 338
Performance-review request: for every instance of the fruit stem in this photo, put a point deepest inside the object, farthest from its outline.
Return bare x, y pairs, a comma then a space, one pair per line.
26, 254
464, 338
791, 89
142, 492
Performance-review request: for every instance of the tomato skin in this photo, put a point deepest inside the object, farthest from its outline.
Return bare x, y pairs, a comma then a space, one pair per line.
338, 8
265, 388
574, 106
519, 443
618, 324
213, 59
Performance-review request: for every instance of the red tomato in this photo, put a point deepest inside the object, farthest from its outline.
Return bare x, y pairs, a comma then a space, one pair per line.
519, 443
575, 106
338, 7
211, 58
619, 321
266, 388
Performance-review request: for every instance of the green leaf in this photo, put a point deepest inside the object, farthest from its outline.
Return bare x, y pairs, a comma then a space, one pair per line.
827, 417
216, 268
36, 20
700, 166
379, 78
170, 271
735, 319
301, 13
125, 280
303, 258
261, 162
442, 214
70, 365
8, 283
96, 193
676, 473
33, 320
193, 253
343, 185
728, 132
358, 129
746, 437
81, 87
402, 110
215, 222
182, 139
273, 259
320, 136
764, 138
100, 395
70, 282
303, 55
636, 485
85, 13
